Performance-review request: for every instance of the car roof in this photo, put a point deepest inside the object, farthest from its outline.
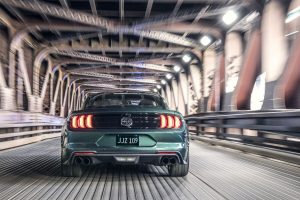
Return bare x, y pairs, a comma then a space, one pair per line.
120, 93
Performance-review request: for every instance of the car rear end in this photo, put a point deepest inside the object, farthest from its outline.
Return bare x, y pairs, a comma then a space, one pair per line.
125, 135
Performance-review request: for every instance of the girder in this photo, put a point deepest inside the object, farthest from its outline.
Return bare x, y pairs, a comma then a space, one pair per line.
141, 49
58, 11
104, 69
112, 61
184, 15
114, 77
108, 25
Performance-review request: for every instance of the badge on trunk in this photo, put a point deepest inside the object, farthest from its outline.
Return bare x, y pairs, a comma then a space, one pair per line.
126, 121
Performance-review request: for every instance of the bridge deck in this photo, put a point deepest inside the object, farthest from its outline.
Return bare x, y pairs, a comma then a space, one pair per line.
32, 172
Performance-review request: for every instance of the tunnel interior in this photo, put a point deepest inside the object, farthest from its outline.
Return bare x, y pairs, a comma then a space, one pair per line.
230, 68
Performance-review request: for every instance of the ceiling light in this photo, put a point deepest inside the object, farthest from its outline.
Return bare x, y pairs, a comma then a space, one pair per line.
158, 86
205, 40
154, 90
169, 76
163, 81
176, 68
292, 15
186, 58
229, 17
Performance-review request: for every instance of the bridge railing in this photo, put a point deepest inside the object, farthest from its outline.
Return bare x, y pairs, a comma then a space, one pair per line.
20, 128
275, 128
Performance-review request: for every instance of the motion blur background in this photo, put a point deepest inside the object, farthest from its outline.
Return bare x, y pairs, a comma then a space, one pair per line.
203, 56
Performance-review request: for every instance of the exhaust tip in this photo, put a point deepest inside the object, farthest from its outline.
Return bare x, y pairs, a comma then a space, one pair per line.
86, 161
78, 160
173, 160
165, 161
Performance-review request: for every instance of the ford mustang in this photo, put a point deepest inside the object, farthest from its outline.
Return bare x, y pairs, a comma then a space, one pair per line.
125, 128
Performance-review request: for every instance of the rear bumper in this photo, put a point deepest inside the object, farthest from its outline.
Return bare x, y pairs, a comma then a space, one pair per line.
142, 156
137, 158
101, 146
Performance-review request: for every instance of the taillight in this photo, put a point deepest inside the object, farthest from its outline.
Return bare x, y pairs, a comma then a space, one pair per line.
170, 121
163, 121
177, 123
81, 122
89, 121
74, 122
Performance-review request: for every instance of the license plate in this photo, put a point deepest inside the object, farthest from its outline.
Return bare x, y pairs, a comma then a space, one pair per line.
128, 140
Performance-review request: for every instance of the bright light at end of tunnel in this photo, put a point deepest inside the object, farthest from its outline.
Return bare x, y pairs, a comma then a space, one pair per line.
176, 68
205, 40
163, 81
229, 17
169, 76
158, 86
186, 58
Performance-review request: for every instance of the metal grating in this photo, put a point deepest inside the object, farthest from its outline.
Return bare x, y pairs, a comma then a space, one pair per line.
32, 172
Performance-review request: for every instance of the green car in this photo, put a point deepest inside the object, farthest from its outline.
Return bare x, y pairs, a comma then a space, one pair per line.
125, 128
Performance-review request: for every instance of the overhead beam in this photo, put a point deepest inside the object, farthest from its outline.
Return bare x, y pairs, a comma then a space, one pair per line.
114, 77
183, 16
85, 18
130, 49
93, 7
97, 58
64, 3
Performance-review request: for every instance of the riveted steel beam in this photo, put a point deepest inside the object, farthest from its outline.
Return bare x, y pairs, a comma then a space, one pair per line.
131, 49
108, 25
112, 60
57, 11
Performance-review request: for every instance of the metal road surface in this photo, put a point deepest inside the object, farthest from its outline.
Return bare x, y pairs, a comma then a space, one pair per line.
33, 172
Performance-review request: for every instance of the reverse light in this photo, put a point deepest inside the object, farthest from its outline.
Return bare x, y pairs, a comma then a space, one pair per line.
81, 122
170, 122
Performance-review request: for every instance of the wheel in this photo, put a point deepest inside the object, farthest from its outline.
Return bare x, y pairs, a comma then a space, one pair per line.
77, 170
71, 170
66, 170
179, 169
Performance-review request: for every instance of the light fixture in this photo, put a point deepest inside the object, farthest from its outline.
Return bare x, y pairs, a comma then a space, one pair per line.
154, 90
176, 68
158, 86
229, 17
205, 40
186, 58
292, 15
163, 81
169, 76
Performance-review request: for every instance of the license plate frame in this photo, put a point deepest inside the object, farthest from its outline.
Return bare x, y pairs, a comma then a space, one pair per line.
127, 140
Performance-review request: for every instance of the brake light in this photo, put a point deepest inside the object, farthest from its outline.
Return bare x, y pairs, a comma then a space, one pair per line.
177, 122
170, 121
81, 121
74, 122
89, 121
163, 121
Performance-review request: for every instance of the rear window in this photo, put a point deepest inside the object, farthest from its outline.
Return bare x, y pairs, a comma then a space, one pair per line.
122, 100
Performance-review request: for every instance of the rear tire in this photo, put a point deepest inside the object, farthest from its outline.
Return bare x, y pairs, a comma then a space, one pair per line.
179, 170
66, 170
71, 170
77, 170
